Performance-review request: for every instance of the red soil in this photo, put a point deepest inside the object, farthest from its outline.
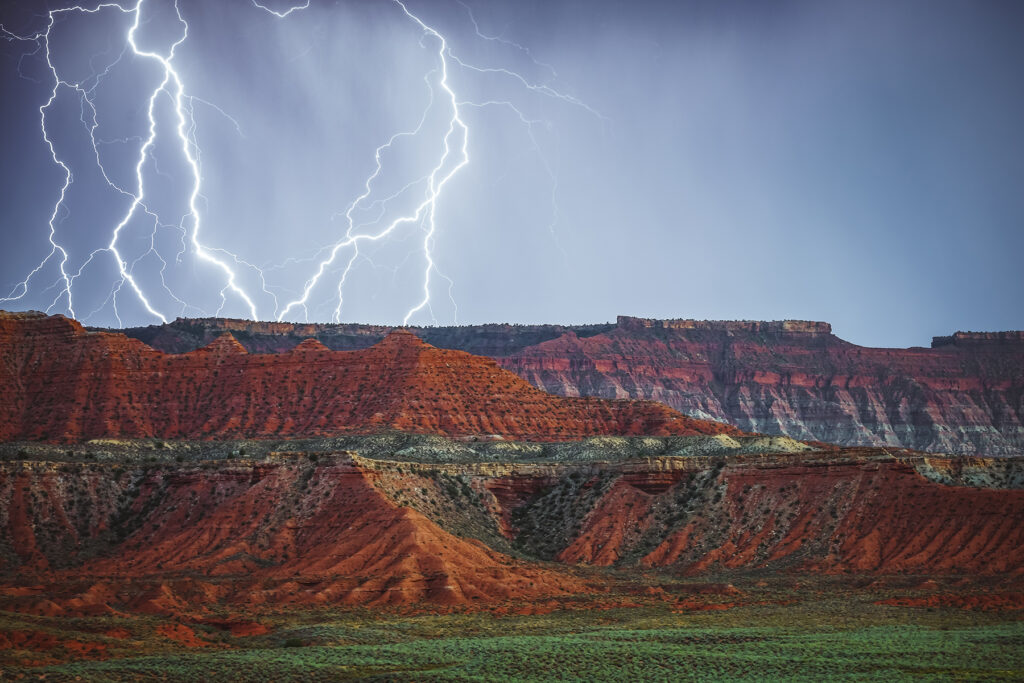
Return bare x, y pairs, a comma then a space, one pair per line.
251, 536
616, 523
797, 378
39, 641
266, 535
990, 603
27, 640
183, 635
870, 517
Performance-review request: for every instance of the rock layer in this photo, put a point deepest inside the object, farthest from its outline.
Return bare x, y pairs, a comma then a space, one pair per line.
294, 529
281, 533
964, 395
62, 383
852, 511
800, 380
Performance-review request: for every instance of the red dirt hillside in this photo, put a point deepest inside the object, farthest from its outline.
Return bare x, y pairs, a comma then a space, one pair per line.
852, 517
862, 511
341, 529
272, 533
63, 383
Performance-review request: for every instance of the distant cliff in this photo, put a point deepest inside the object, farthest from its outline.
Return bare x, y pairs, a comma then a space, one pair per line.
63, 383
800, 380
964, 395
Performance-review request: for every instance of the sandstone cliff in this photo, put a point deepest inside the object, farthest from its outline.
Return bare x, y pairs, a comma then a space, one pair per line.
63, 383
800, 380
964, 395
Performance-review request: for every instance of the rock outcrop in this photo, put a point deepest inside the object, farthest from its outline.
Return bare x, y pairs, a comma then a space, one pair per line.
964, 395
179, 539
852, 511
63, 383
296, 529
800, 380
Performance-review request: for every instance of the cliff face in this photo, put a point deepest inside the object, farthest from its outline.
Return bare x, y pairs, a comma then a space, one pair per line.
189, 334
85, 538
964, 395
63, 383
800, 380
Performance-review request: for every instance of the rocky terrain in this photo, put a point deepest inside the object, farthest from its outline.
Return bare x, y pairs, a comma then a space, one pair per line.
63, 383
963, 395
258, 488
405, 520
290, 531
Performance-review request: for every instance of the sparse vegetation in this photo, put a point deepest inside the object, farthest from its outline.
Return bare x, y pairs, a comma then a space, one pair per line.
531, 501
650, 643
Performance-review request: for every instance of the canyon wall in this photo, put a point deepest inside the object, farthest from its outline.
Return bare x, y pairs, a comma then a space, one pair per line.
800, 380
965, 395
63, 383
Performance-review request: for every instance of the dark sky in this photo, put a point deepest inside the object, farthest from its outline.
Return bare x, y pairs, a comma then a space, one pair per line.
857, 162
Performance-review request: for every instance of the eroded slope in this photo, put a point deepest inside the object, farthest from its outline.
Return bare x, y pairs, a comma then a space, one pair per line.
311, 529
63, 383
964, 395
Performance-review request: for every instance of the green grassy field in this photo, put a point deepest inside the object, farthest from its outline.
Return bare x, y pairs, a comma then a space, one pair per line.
812, 641
739, 654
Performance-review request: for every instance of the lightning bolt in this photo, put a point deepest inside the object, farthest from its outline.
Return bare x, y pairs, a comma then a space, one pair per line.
43, 39
426, 210
505, 41
454, 156
454, 138
172, 86
278, 14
